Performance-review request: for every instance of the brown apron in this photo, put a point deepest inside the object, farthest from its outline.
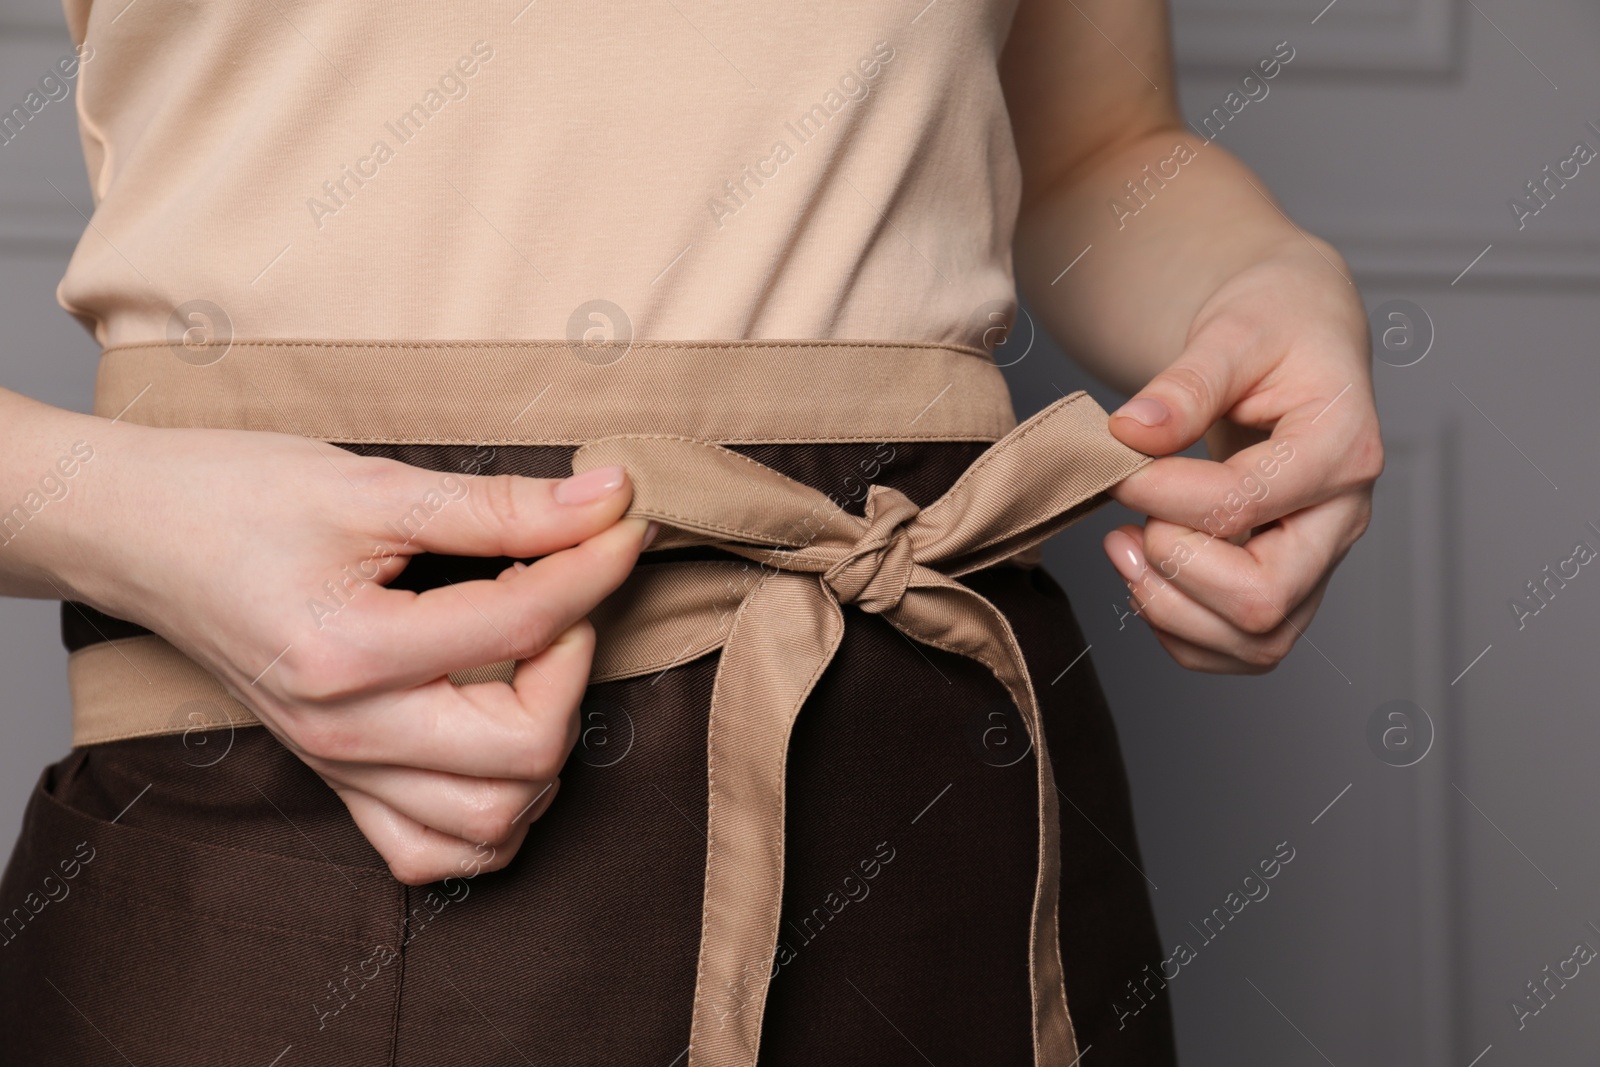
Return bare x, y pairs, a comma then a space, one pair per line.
756, 572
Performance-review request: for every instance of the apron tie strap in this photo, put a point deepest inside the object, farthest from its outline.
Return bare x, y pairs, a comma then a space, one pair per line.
778, 623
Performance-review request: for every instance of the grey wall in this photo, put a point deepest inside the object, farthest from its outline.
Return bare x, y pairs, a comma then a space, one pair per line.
1423, 899
1422, 902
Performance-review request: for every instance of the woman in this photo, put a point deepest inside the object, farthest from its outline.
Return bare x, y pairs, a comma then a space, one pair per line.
750, 264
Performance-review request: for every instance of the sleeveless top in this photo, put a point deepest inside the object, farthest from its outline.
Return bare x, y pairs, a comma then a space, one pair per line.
517, 169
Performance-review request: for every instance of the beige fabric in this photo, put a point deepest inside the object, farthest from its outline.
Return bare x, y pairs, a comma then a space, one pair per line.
143, 687
897, 561
778, 624
714, 171
547, 392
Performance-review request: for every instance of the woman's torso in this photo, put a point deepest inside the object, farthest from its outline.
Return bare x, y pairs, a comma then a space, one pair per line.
524, 170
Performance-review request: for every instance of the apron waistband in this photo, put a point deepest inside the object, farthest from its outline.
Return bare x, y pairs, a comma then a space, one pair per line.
776, 617
554, 393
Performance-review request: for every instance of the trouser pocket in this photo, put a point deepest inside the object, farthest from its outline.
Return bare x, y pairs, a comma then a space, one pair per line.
120, 943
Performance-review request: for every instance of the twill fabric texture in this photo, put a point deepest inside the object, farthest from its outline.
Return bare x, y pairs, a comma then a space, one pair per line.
864, 563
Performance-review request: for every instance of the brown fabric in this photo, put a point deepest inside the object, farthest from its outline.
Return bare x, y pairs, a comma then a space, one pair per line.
556, 392
583, 951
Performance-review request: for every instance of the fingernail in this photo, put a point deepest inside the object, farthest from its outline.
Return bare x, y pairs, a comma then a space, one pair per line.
1145, 410
650, 535
589, 486
519, 566
1125, 556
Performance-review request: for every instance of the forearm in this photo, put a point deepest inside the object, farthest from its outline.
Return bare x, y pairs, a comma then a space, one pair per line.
54, 472
1196, 216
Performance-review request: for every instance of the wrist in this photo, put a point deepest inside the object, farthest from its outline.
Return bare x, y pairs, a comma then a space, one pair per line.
57, 499
1292, 288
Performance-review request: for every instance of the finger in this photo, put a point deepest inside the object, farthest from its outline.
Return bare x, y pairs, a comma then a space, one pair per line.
400, 638
1258, 656
417, 855
1177, 406
1249, 489
1303, 464
471, 624
1193, 657
500, 515
1255, 584
1168, 610
522, 732
472, 809
551, 686
1163, 606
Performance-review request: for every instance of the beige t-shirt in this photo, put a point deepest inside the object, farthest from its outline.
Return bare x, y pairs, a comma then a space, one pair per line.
665, 169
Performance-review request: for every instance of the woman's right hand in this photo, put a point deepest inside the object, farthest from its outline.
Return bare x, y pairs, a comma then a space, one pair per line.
263, 557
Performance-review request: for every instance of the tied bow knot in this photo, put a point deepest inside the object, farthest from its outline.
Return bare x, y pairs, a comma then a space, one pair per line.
773, 609
875, 574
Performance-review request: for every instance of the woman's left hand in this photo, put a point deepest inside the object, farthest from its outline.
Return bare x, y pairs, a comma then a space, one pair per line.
1276, 375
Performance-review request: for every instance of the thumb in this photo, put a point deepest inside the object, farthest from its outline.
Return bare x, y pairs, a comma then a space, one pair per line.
505, 514
1178, 405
